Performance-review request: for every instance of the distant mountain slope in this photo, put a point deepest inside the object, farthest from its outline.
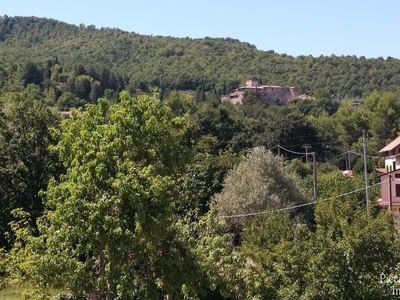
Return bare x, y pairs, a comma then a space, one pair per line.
185, 63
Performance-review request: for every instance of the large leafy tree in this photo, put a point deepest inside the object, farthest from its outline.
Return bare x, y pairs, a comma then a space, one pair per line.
352, 249
31, 73
349, 124
383, 110
341, 257
120, 185
261, 182
280, 250
26, 162
109, 227
68, 100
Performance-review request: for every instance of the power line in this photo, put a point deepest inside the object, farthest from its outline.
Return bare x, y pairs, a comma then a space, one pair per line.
300, 205
372, 156
356, 153
294, 152
280, 147
273, 147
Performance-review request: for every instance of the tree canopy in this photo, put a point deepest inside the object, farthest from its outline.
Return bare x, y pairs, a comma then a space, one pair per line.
150, 187
118, 59
26, 162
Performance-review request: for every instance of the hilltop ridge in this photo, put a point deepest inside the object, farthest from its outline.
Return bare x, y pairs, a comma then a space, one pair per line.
219, 64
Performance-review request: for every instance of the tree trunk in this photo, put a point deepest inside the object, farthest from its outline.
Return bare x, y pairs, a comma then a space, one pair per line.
93, 296
110, 287
102, 271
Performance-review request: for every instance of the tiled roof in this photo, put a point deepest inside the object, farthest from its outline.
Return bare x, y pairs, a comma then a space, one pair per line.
391, 146
380, 170
348, 173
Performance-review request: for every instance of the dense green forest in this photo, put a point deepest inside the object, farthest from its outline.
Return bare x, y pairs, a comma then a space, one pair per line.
120, 59
151, 188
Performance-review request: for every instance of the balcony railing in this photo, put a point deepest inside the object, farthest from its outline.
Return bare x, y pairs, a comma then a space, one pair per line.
392, 156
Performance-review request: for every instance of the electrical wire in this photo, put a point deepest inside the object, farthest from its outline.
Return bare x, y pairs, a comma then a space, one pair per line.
279, 146
363, 154
294, 152
273, 147
300, 205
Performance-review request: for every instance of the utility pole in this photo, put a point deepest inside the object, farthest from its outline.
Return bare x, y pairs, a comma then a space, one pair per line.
390, 193
307, 147
349, 159
326, 156
314, 155
364, 140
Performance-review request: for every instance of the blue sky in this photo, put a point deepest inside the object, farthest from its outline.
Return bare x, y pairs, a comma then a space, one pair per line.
295, 27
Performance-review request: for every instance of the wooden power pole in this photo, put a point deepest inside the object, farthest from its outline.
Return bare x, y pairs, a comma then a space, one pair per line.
314, 155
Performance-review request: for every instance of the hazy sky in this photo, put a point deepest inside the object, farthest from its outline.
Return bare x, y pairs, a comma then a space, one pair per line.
296, 27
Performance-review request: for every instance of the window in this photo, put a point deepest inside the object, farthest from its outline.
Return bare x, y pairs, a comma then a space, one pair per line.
396, 175
398, 190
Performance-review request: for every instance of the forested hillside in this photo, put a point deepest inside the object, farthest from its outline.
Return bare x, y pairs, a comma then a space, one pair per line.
139, 61
154, 189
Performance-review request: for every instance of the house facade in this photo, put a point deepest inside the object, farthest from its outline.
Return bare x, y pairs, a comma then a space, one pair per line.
390, 191
268, 93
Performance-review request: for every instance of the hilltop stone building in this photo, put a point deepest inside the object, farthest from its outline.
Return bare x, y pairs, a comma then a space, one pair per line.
268, 93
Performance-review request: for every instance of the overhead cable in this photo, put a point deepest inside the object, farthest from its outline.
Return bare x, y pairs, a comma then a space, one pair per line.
300, 205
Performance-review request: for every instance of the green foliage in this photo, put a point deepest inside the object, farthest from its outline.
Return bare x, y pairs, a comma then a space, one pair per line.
383, 119
205, 175
326, 168
261, 182
82, 86
111, 226
132, 193
67, 101
378, 117
327, 132
300, 168
342, 259
31, 73
26, 163
180, 104
349, 124
251, 97
358, 167
334, 184
356, 246
280, 250
132, 218
316, 106
216, 122
184, 63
